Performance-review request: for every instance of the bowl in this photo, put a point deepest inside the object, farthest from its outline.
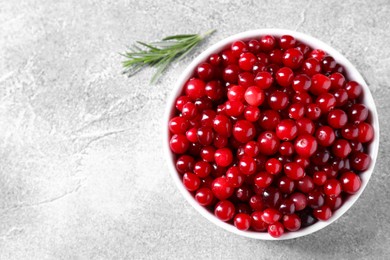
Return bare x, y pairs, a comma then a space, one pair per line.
314, 43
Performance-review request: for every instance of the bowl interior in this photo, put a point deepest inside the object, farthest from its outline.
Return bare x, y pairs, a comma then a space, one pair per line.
314, 43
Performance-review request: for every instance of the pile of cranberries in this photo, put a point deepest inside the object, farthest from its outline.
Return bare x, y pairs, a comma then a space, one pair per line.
270, 135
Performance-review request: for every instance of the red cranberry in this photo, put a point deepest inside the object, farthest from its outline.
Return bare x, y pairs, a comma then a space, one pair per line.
205, 71
294, 171
326, 102
328, 64
234, 177
223, 157
302, 97
325, 135
254, 96
256, 202
366, 132
215, 60
287, 42
246, 79
222, 125
291, 222
234, 108
246, 61
286, 130
333, 202
350, 132
257, 223
236, 93
317, 54
254, 46
264, 80
252, 149
191, 181
242, 221
263, 179
360, 161
341, 97
286, 148
244, 131
300, 200
247, 165
230, 73
354, 90
350, 182
275, 56
269, 119
292, 58
341, 148
276, 229
301, 82
284, 76
315, 199
306, 184
273, 166
252, 113
189, 110
268, 143
337, 118
238, 47
320, 84
205, 135
286, 185
270, 216
185, 163
179, 144
202, 169
337, 80
287, 207
278, 100
195, 88
296, 111
204, 196
272, 197
243, 193
311, 66
332, 188
357, 113
323, 213
267, 42
221, 188
224, 210
319, 178
305, 145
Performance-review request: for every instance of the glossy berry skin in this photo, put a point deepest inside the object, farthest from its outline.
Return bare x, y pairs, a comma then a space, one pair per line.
305, 145
270, 216
252, 113
221, 188
366, 132
222, 125
287, 42
332, 188
223, 157
357, 113
325, 135
278, 100
276, 230
256, 202
294, 171
195, 88
286, 148
205, 135
263, 179
301, 82
191, 181
247, 165
179, 144
224, 210
350, 182
268, 143
257, 223
244, 131
291, 222
286, 185
185, 163
313, 111
322, 213
319, 178
202, 169
242, 221
269, 119
234, 177
292, 58
296, 111
287, 207
354, 90
204, 196
360, 161
264, 79
337, 80
311, 66
284, 76
300, 201
320, 84
272, 197
333, 202
254, 96
286, 130
326, 102
273, 166
315, 199
246, 61
337, 118
341, 148
205, 71
267, 42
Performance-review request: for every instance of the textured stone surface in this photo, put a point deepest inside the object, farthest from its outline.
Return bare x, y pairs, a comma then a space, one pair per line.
82, 172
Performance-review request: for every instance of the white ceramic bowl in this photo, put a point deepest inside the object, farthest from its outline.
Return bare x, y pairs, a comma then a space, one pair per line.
352, 74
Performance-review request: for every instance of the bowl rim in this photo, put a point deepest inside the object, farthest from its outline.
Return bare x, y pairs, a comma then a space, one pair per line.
353, 74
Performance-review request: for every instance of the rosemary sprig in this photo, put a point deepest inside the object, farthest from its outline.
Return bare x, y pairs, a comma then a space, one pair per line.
160, 54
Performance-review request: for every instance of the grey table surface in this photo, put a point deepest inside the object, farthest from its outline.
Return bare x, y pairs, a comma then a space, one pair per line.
82, 168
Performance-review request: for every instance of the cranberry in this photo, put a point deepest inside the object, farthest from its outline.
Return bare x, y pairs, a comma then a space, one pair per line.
300, 200
286, 148
350, 182
215, 59
254, 46
350, 132
292, 58
319, 178
320, 84
305, 145
272, 197
333, 202
276, 229
204, 196
205, 71
341, 97
307, 219
191, 181
257, 223
234, 108
230, 73
337, 118
242, 221
284, 76
306, 184
278, 100
366, 132
247, 165
328, 64
317, 54
189, 110
311, 66
221, 188
179, 144
332, 188
354, 90
291, 222
273, 166
246, 61
264, 80
256, 202
270, 216
263, 179
244, 131
302, 97
287, 42
205, 135
236, 93
286, 130
287, 207
341, 148
315, 199
337, 80
357, 113
267, 42
301, 82
268, 143
326, 102
323, 213
294, 171
303, 48
202, 169
325, 135
243, 193
234, 177
224, 210
360, 161
296, 111
252, 113
254, 96
239, 47
286, 185
222, 125
195, 88
275, 56
269, 119
246, 79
